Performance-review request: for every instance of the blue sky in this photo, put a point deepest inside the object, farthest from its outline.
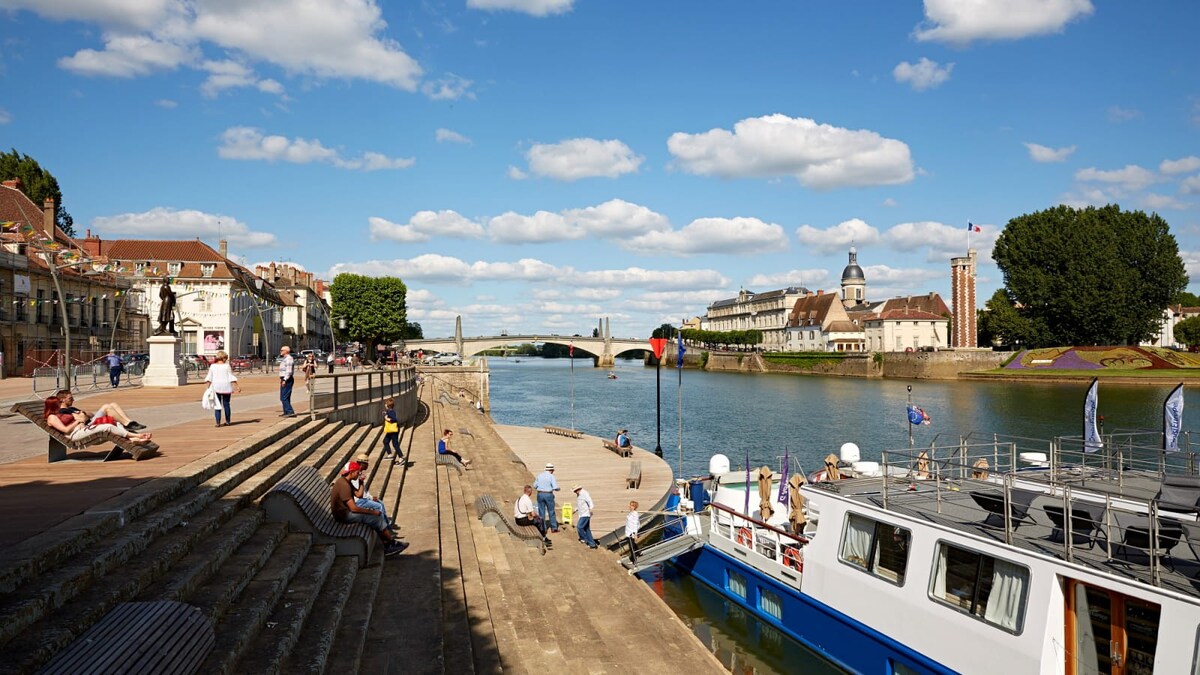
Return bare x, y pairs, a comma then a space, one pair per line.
536, 164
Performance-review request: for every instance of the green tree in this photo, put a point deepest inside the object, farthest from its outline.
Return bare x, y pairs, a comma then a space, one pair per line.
413, 331
37, 184
1091, 276
1188, 331
664, 331
374, 308
1001, 322
1186, 299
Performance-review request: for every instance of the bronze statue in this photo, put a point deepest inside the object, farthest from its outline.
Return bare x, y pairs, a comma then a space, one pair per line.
166, 309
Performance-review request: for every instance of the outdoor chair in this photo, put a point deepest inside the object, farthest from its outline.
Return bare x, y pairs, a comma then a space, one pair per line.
1087, 523
993, 503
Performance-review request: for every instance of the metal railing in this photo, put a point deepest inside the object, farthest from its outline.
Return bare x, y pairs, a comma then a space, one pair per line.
359, 394
84, 377
781, 547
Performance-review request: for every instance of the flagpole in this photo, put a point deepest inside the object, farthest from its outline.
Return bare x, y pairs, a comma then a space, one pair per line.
571, 357
908, 415
679, 367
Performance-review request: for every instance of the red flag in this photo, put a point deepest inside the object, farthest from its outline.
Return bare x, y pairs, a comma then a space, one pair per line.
571, 349
658, 345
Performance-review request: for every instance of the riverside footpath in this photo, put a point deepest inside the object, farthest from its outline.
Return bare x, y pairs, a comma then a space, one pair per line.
84, 537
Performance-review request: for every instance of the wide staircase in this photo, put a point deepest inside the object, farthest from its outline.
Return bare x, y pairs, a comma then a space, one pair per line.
197, 535
511, 608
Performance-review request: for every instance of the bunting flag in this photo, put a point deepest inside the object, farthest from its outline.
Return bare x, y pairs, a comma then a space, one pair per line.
1091, 433
1173, 419
784, 497
682, 351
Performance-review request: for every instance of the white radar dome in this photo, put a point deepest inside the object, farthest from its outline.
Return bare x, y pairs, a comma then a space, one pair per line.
849, 453
718, 464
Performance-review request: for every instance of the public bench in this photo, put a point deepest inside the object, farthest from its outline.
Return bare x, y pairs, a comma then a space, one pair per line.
140, 637
447, 460
491, 514
302, 500
634, 480
59, 444
623, 452
562, 431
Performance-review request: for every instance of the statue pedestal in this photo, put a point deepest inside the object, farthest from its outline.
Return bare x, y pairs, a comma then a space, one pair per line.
164, 369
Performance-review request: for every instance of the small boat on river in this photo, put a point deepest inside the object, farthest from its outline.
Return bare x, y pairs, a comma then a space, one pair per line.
612, 375
993, 555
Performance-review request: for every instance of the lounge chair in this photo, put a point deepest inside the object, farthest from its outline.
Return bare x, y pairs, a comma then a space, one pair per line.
1087, 521
993, 503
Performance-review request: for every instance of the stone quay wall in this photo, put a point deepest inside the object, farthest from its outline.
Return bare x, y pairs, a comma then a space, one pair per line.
942, 365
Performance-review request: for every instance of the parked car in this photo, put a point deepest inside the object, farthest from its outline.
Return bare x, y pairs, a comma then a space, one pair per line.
447, 359
243, 362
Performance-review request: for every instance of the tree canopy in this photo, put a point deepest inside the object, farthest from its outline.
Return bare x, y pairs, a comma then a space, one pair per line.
1188, 331
37, 184
374, 308
1001, 323
1090, 276
1186, 299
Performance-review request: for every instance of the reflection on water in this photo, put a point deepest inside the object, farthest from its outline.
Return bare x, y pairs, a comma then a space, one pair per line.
742, 642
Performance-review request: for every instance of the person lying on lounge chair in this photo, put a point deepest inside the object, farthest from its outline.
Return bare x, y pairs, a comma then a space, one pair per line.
77, 428
67, 401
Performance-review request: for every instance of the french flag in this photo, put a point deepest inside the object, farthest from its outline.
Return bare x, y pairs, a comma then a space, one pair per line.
972, 227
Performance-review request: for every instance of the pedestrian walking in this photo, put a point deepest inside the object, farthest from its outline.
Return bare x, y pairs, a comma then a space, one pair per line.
583, 516
115, 367
223, 382
287, 366
309, 367
329, 362
391, 430
546, 485
632, 525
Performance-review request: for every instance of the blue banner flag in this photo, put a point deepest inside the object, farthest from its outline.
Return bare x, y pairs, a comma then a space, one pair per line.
1091, 433
783, 480
917, 415
746, 508
1173, 419
682, 351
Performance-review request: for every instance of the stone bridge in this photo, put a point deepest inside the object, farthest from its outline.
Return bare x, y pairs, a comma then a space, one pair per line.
604, 349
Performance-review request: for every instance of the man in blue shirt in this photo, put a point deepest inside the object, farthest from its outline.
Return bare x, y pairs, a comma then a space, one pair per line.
287, 367
546, 485
114, 367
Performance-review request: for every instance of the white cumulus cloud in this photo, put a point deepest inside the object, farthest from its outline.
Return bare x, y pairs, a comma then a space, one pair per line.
543, 226
819, 156
423, 226
659, 280
942, 241
613, 219
811, 279
1044, 154
963, 21
227, 74
448, 136
1159, 202
577, 158
167, 223
1130, 178
129, 56
922, 75
449, 88
737, 236
1190, 185
532, 7
1182, 165
246, 143
840, 237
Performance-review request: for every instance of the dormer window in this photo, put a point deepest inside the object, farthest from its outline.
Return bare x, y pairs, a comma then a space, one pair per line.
174, 268
206, 270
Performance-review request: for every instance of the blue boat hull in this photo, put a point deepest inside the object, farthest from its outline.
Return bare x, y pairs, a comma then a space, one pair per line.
841, 639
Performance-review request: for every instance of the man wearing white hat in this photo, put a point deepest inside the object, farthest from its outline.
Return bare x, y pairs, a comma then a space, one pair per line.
546, 485
583, 516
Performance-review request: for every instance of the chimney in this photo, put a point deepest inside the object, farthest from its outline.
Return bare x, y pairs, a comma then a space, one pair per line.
48, 219
14, 183
91, 244
224, 248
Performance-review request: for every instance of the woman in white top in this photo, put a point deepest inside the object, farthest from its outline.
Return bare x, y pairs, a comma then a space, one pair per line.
223, 382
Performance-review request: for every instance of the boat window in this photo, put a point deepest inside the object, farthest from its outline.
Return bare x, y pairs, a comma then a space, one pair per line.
737, 584
989, 588
876, 547
901, 669
769, 603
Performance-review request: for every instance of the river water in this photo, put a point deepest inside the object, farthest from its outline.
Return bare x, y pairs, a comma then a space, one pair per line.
762, 415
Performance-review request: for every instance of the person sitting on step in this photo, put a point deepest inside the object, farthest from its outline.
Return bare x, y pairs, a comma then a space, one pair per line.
77, 428
345, 509
365, 499
67, 405
443, 448
525, 514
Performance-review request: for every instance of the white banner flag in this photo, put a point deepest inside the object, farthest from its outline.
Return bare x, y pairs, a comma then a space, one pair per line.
1091, 433
1173, 419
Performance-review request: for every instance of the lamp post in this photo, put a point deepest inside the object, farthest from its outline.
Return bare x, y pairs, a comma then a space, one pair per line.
658, 345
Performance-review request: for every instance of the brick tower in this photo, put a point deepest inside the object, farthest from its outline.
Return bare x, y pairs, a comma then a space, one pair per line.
962, 289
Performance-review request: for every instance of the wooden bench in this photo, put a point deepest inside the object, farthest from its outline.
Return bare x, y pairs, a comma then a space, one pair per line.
140, 637
562, 431
59, 444
491, 514
634, 480
447, 460
623, 452
302, 500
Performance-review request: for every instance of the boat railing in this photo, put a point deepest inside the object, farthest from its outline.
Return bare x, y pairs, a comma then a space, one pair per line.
1077, 516
782, 547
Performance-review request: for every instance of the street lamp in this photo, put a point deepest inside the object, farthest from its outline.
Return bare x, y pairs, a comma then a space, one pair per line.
658, 345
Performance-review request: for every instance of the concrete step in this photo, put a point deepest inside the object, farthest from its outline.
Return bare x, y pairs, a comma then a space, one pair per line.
33, 556
457, 648
55, 587
341, 437
218, 593
316, 637
185, 576
484, 649
344, 453
266, 654
239, 626
346, 653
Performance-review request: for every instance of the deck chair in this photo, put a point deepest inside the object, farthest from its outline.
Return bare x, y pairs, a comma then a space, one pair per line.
1179, 494
1087, 522
993, 503
1135, 536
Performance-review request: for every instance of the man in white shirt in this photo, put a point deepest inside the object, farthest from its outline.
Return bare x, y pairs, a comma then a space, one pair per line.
525, 514
286, 380
632, 523
583, 515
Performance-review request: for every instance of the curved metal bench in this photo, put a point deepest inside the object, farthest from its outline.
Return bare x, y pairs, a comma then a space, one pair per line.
140, 637
302, 501
491, 514
59, 443
447, 460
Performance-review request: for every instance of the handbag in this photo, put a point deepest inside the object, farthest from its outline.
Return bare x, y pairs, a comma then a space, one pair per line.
101, 419
209, 400
390, 427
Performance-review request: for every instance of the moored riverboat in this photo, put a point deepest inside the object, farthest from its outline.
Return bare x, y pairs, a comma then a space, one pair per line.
994, 555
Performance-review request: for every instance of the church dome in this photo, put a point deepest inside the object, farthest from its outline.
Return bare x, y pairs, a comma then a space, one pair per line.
853, 271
